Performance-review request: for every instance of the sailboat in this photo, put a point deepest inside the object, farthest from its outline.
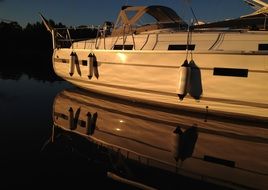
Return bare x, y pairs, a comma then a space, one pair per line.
218, 68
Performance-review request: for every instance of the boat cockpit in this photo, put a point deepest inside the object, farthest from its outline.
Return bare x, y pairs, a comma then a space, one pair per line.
133, 20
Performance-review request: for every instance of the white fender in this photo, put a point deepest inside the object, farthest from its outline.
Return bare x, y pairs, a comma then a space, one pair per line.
72, 63
90, 65
184, 79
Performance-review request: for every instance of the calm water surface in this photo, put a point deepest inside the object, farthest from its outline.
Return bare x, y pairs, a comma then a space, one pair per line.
27, 157
41, 147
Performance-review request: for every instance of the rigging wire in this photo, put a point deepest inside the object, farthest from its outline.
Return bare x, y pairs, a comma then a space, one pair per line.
189, 3
196, 21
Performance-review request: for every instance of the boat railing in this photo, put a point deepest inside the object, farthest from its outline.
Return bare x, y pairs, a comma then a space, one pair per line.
128, 30
65, 37
102, 32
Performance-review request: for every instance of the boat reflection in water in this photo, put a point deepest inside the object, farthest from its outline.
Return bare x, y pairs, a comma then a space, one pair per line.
220, 150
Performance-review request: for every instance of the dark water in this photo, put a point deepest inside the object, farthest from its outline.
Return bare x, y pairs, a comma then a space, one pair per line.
41, 149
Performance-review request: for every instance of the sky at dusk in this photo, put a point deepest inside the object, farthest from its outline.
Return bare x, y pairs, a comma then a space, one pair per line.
86, 12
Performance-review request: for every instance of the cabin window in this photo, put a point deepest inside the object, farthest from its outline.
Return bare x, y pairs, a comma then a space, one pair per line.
84, 62
263, 47
231, 72
181, 47
123, 47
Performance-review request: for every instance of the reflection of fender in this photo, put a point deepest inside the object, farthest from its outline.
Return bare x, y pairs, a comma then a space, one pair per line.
184, 142
91, 123
73, 119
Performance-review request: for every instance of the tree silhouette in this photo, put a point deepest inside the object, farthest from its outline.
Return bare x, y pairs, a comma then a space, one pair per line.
29, 50
26, 51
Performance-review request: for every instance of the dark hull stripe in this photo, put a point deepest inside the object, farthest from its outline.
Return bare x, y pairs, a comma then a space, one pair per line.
61, 60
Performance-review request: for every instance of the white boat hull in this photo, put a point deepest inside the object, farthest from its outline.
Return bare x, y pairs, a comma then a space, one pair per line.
153, 76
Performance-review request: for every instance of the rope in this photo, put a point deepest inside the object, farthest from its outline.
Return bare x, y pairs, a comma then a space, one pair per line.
189, 41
